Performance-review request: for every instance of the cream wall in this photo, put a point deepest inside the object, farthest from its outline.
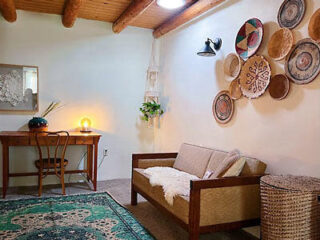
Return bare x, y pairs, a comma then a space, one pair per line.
285, 134
95, 73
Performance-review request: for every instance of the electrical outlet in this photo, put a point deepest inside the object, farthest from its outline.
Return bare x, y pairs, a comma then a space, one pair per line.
105, 152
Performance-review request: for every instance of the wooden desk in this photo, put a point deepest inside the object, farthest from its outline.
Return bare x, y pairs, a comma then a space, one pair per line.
27, 139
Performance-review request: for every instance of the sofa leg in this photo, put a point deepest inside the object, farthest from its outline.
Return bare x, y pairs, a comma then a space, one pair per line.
134, 197
194, 235
194, 213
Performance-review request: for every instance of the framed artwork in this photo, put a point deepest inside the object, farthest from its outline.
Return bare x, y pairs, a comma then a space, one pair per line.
19, 88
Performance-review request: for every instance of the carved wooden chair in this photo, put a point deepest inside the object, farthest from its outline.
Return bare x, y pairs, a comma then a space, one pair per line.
58, 142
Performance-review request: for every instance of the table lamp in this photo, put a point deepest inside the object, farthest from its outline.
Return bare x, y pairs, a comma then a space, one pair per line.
85, 125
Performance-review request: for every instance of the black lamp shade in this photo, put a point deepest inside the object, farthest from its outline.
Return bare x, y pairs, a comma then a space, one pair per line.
207, 50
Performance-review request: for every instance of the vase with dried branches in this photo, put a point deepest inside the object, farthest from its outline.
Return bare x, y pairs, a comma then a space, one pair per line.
39, 124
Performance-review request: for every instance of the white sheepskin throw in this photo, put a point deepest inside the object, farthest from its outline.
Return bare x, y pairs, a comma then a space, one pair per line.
173, 181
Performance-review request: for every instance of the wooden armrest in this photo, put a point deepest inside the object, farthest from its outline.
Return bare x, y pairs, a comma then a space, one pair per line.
224, 182
136, 156
150, 156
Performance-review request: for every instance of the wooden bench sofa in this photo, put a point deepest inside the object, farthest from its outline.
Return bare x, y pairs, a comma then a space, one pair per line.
220, 204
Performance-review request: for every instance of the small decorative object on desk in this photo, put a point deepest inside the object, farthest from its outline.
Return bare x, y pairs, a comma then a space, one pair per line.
39, 124
255, 77
249, 38
290, 207
85, 125
291, 13
303, 62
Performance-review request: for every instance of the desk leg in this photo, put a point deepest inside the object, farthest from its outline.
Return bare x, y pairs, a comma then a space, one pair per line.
89, 162
5, 168
95, 164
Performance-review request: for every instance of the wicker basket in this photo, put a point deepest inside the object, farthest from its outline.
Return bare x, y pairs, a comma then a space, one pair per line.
290, 208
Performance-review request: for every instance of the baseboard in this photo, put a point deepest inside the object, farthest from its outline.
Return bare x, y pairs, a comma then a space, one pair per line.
250, 236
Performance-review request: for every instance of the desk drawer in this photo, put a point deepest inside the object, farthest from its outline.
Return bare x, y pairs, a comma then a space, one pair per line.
84, 140
18, 141
50, 141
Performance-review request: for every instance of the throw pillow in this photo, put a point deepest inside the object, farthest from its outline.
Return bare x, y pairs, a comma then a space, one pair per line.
231, 157
236, 168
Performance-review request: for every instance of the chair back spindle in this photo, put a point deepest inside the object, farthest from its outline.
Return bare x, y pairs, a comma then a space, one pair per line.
56, 162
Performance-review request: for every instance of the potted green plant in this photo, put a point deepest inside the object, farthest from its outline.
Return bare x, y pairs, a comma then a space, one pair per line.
150, 110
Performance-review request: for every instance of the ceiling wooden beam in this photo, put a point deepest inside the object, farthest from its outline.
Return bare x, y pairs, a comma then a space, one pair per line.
8, 10
136, 8
193, 11
71, 11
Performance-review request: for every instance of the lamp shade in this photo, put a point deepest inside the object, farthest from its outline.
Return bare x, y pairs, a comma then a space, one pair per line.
85, 125
207, 50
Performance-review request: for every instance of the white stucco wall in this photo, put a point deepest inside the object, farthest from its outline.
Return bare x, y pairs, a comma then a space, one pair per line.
95, 72
285, 134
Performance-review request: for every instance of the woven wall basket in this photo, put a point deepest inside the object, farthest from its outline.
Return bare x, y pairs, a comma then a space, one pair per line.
222, 107
235, 90
279, 86
280, 44
255, 76
314, 26
232, 66
249, 38
303, 62
291, 13
290, 208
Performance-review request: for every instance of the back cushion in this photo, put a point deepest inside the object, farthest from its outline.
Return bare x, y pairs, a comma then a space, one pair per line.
216, 158
253, 167
193, 159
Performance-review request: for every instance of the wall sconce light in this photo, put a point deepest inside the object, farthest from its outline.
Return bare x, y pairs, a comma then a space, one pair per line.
85, 125
207, 50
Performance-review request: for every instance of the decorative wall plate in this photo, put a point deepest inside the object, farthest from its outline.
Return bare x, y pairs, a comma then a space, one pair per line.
255, 76
279, 86
303, 62
314, 26
249, 38
232, 66
222, 107
280, 44
291, 13
235, 90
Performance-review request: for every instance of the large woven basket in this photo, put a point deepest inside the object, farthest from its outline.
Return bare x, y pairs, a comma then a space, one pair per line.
290, 208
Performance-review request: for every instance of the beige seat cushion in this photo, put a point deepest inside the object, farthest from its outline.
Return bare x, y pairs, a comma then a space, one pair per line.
193, 159
253, 167
180, 207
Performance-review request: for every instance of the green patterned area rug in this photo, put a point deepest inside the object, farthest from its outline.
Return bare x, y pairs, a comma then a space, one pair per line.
87, 216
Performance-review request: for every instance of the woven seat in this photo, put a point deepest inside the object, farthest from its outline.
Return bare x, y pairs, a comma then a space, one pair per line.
50, 164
